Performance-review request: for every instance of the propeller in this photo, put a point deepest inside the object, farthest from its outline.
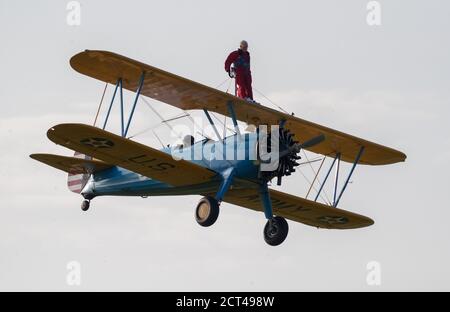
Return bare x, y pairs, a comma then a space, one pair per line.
314, 141
287, 157
296, 147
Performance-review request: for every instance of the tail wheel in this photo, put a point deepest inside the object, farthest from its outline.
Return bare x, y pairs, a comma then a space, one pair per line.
85, 205
207, 211
276, 231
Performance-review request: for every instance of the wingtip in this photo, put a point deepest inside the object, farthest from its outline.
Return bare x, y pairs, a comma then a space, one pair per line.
66, 126
38, 156
404, 157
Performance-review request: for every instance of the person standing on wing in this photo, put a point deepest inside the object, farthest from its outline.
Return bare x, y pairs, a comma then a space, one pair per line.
241, 62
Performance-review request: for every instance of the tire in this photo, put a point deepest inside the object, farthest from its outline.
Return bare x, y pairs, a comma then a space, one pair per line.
85, 205
207, 211
276, 231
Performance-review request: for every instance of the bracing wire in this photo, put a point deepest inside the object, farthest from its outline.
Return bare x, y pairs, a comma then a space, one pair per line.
100, 105
315, 174
166, 121
273, 103
163, 121
154, 133
223, 82
222, 123
185, 114
229, 85
307, 180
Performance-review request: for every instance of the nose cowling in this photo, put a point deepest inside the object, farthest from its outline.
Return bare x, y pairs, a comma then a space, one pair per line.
287, 156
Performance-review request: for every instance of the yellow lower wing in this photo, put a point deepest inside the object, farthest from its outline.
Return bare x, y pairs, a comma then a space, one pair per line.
187, 94
128, 154
72, 165
299, 209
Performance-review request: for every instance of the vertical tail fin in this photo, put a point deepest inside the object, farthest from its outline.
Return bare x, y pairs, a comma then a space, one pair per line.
76, 182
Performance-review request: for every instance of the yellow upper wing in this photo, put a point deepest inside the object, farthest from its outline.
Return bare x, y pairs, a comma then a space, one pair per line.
128, 154
187, 94
72, 165
299, 209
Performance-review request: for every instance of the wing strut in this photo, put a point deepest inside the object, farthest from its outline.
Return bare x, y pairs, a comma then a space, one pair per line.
211, 122
336, 178
326, 177
119, 85
361, 150
227, 179
138, 92
233, 117
337, 196
266, 201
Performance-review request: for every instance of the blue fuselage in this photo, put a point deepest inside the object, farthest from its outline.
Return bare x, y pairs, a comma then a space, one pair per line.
238, 153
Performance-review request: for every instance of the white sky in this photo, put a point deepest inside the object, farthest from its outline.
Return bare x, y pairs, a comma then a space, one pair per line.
320, 59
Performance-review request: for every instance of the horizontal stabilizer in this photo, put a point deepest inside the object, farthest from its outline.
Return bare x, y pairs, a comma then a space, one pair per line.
73, 165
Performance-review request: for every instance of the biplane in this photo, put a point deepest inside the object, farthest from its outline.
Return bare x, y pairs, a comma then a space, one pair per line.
112, 164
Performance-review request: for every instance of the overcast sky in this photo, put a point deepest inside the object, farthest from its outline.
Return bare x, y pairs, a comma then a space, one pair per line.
319, 59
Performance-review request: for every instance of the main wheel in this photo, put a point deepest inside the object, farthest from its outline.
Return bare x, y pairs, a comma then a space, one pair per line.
85, 205
207, 211
276, 231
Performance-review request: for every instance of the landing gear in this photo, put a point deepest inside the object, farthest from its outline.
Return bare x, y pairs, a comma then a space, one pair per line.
207, 211
85, 205
276, 231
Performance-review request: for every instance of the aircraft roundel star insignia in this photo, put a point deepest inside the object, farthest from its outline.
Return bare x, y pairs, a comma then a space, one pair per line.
97, 142
333, 220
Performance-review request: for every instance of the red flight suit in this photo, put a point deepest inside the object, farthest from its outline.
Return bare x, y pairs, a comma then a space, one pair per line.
241, 61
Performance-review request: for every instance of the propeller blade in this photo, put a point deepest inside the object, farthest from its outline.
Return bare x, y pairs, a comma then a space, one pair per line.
314, 141
290, 139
